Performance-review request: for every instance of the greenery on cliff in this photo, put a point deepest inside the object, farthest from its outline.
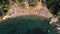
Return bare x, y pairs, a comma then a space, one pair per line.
3, 7
53, 6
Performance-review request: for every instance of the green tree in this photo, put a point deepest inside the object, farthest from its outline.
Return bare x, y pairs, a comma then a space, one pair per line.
4, 5
54, 6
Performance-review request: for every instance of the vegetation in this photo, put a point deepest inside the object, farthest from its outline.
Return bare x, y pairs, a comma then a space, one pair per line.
26, 25
20, 1
4, 6
54, 6
32, 2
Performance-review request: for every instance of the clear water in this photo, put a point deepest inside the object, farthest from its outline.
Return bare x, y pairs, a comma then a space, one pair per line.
26, 25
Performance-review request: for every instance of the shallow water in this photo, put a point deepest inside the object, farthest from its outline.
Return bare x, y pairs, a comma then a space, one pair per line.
26, 25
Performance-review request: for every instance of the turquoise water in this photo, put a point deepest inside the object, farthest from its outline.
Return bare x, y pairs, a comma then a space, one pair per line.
26, 25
